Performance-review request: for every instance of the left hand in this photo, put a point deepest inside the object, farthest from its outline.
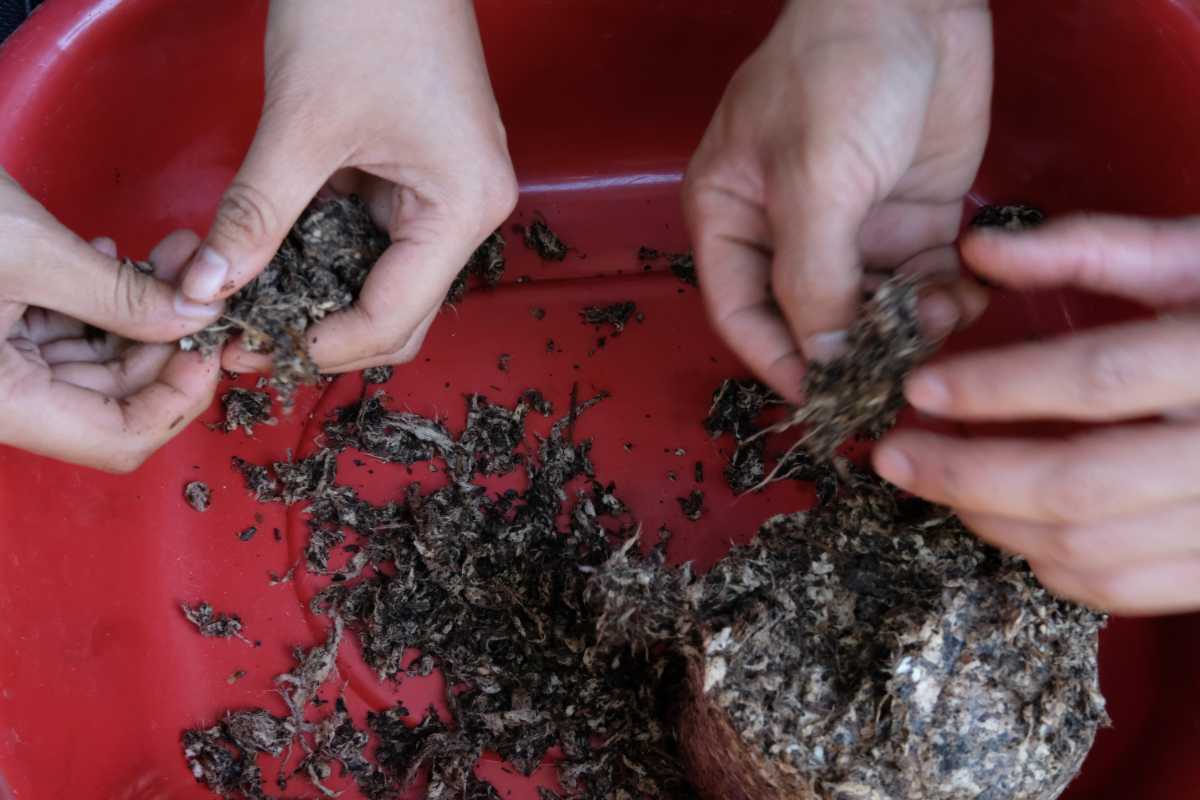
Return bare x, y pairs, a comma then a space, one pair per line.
1111, 517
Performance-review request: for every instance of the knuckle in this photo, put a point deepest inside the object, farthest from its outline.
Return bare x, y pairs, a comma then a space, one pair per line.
1104, 591
1071, 493
502, 191
245, 214
1071, 546
125, 462
1105, 374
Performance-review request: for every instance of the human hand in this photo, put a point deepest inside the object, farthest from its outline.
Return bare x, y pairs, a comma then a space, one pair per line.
67, 391
389, 99
1109, 517
846, 142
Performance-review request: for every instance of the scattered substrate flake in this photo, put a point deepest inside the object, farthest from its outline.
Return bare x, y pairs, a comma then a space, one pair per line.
198, 495
1013, 218
245, 409
542, 240
377, 375
615, 315
212, 624
486, 266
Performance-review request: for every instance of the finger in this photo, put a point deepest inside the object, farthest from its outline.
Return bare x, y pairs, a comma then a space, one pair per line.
80, 282
1170, 586
734, 262
1114, 373
815, 217
1082, 479
894, 231
949, 301
1151, 261
81, 426
1106, 544
402, 356
134, 371
41, 326
279, 176
104, 245
407, 284
236, 358
84, 349
171, 254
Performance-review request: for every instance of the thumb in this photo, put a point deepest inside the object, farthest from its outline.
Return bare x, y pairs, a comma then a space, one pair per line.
66, 274
815, 219
281, 173
1154, 262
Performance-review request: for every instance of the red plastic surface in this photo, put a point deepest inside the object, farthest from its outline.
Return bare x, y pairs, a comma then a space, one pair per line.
127, 117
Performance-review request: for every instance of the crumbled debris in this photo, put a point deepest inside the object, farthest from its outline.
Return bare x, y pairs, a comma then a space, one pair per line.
198, 495
235, 676
875, 644
1013, 218
486, 266
211, 624
319, 269
861, 392
614, 315
465, 567
698, 472
538, 313
258, 479
377, 375
278, 580
503, 361
391, 436
244, 409
222, 766
682, 265
246, 534
692, 506
312, 669
539, 238
735, 411
550, 627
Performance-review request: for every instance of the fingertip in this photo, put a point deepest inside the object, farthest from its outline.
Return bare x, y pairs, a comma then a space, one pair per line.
825, 346
172, 253
893, 463
206, 277
236, 359
938, 315
105, 245
927, 390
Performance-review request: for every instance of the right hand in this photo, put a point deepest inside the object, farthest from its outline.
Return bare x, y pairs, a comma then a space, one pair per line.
77, 394
846, 142
389, 99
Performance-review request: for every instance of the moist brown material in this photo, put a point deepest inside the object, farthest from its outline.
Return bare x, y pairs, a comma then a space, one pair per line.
319, 269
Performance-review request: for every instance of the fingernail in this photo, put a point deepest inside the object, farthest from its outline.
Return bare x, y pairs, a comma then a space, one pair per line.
938, 315
186, 307
205, 275
928, 391
824, 347
894, 465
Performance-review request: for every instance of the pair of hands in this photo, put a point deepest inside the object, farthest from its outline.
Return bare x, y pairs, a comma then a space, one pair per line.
846, 145
405, 118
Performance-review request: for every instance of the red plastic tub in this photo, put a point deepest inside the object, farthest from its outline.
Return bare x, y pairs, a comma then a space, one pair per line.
127, 118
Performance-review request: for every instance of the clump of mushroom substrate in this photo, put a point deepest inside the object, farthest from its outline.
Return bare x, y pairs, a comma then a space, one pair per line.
319, 269
871, 648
